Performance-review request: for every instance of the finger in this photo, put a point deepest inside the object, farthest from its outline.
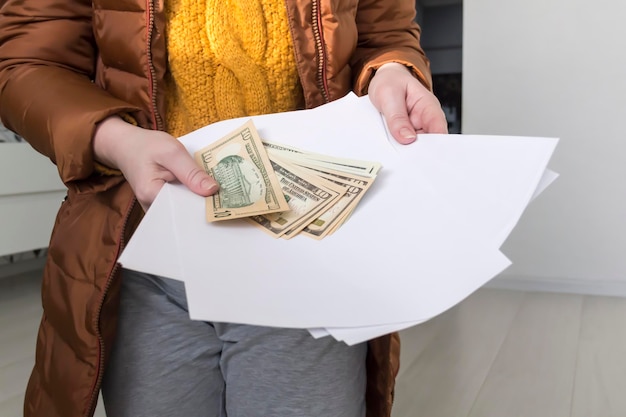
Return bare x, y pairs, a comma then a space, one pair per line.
191, 175
396, 115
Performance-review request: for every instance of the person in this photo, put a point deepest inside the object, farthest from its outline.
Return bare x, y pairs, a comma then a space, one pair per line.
103, 88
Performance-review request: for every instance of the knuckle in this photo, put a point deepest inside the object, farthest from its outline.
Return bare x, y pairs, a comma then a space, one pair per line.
195, 176
396, 119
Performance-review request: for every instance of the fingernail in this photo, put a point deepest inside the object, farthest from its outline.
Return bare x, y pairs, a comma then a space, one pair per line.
407, 133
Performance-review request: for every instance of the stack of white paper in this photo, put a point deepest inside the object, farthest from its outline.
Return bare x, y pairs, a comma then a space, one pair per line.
425, 236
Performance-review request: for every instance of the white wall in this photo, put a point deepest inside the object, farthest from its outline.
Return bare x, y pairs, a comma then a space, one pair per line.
557, 68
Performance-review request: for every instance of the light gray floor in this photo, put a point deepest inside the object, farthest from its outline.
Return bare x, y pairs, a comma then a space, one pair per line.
500, 353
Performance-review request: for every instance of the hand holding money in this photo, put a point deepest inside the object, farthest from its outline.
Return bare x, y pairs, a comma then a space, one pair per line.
248, 185
282, 190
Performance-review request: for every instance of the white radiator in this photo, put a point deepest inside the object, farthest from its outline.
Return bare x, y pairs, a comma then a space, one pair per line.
30, 196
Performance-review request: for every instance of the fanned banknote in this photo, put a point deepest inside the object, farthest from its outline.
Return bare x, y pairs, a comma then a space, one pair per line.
306, 195
283, 190
248, 183
302, 157
354, 176
354, 188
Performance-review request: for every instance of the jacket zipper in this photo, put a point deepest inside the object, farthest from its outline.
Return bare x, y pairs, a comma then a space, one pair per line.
100, 371
318, 37
157, 122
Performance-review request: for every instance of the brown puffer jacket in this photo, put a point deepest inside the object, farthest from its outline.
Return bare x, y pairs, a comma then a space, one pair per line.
65, 66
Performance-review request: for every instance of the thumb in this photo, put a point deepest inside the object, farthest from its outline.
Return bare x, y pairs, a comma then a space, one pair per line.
397, 117
200, 182
192, 176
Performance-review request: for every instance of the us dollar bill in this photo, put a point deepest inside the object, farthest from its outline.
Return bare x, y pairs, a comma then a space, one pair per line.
248, 183
306, 195
334, 215
352, 166
354, 176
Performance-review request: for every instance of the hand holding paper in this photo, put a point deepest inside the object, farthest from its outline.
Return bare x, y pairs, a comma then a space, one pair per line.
408, 106
148, 159
425, 235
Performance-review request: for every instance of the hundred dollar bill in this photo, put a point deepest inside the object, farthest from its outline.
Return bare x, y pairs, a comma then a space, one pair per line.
306, 195
248, 184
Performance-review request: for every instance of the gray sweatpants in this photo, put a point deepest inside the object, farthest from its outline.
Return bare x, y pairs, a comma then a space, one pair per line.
165, 365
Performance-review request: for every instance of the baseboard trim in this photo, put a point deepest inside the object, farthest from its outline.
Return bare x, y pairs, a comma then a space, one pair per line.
21, 267
506, 282
570, 286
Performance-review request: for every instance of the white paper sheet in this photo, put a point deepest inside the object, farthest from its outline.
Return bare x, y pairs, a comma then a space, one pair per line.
424, 237
353, 335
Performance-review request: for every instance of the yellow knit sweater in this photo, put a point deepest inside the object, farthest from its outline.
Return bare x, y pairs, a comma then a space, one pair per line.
228, 58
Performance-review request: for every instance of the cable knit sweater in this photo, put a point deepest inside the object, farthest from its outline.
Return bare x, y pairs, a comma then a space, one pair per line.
228, 59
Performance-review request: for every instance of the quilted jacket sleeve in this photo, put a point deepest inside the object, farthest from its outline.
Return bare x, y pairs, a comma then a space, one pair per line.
47, 63
388, 33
